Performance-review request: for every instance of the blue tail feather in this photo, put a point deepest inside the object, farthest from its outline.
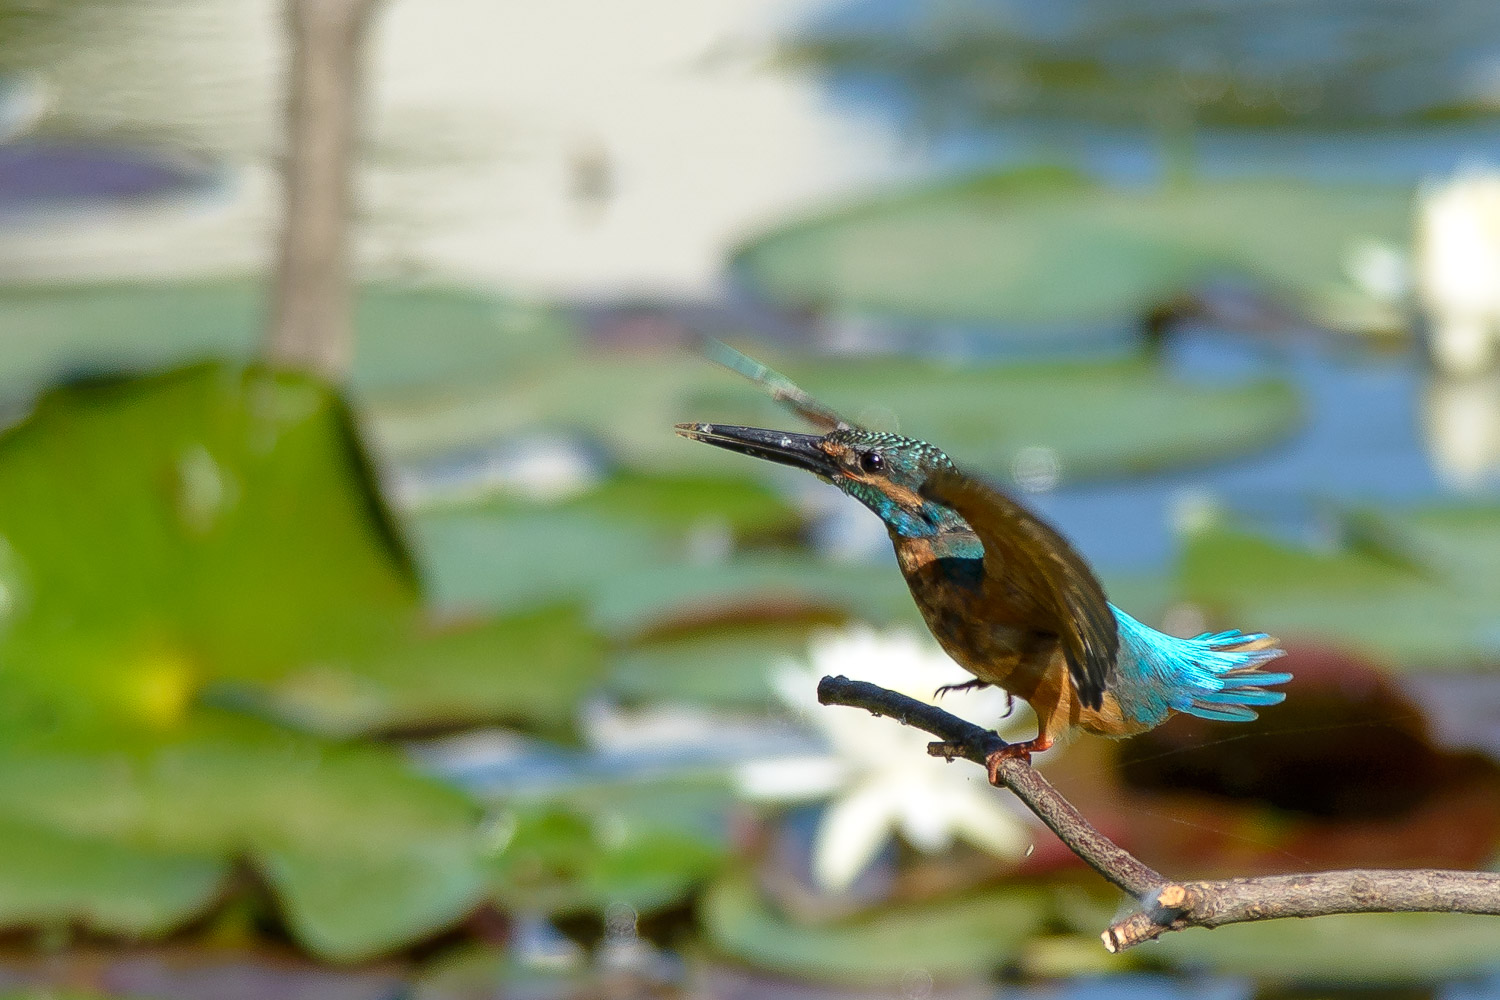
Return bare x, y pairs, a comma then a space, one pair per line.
1227, 714
1251, 696
1215, 675
1254, 679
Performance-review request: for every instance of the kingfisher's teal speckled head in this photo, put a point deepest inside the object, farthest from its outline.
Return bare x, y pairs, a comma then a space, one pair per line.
885, 472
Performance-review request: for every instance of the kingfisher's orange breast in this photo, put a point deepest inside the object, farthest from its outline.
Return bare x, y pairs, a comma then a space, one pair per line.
1029, 664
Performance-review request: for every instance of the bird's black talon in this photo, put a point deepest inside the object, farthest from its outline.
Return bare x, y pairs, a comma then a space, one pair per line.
973, 685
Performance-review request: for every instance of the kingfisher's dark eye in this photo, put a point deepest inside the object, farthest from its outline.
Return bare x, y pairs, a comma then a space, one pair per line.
871, 461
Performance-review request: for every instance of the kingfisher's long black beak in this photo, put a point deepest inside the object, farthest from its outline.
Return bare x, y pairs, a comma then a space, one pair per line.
800, 451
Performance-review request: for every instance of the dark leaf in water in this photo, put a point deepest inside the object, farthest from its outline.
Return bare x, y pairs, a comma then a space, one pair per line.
1346, 744
1344, 774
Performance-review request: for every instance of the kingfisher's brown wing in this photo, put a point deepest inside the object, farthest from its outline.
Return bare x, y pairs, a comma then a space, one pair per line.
1032, 574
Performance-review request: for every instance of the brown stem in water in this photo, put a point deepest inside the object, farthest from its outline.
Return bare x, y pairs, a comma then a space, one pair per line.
311, 325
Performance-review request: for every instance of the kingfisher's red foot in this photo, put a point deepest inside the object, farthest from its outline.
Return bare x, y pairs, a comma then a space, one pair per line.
1013, 751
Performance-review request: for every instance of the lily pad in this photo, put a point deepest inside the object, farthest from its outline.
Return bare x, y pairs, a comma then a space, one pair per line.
789, 585
1052, 249
174, 517
968, 937
48, 878
409, 338
330, 825
212, 534
556, 860
630, 576
346, 908
676, 505
477, 561
530, 670
1346, 948
1417, 590
218, 487
1090, 418
1093, 419
679, 503
722, 667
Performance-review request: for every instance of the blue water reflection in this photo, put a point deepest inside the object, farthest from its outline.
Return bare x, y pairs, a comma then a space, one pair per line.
1362, 442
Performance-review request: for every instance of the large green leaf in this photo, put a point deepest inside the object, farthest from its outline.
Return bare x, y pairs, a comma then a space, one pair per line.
1047, 248
172, 517
968, 937
52, 878
337, 828
212, 527
1419, 590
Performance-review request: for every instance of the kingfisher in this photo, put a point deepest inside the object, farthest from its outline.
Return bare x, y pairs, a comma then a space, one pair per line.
1002, 591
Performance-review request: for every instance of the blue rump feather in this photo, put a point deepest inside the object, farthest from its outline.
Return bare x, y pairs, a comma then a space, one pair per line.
1211, 676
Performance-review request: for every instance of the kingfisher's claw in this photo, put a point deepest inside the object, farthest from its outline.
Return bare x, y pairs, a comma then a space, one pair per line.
973, 685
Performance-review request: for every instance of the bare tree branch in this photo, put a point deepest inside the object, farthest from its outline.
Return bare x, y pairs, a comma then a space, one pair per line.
1167, 905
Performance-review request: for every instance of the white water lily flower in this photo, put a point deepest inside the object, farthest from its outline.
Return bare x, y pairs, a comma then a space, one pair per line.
1458, 269
882, 780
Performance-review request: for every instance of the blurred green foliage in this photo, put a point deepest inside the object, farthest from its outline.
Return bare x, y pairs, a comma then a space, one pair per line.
1416, 589
486, 369
961, 938
585, 546
1350, 949
742, 504
50, 879
674, 668
554, 859
1098, 418
208, 613
160, 516
212, 536
466, 338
